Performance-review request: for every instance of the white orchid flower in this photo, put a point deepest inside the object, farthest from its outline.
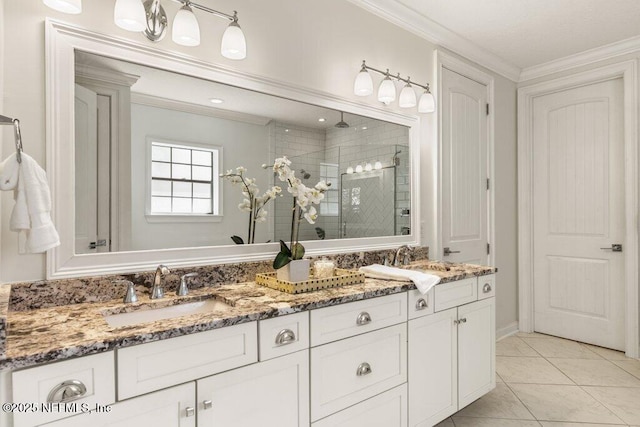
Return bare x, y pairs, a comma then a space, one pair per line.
311, 215
241, 169
262, 216
322, 186
245, 205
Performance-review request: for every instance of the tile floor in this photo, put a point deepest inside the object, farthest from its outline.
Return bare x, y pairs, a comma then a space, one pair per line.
544, 381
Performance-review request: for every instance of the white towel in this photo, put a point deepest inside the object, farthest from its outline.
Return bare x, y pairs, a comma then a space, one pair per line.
31, 215
423, 281
9, 173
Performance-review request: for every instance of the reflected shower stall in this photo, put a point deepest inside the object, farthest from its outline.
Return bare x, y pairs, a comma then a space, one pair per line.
369, 195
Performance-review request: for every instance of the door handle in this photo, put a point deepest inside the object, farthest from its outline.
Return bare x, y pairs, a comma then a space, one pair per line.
615, 247
448, 252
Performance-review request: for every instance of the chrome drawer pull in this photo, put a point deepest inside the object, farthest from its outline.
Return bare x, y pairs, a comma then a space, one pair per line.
363, 319
486, 288
363, 369
285, 336
421, 304
190, 411
207, 404
67, 391
458, 322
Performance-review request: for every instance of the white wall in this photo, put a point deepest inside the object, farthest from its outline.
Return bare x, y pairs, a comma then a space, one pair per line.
243, 144
314, 44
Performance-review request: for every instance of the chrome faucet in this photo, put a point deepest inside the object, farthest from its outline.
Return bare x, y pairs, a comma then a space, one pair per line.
396, 258
157, 292
183, 290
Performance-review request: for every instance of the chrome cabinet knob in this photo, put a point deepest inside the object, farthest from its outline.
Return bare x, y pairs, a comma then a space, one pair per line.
285, 336
363, 369
363, 318
486, 288
207, 404
189, 411
421, 304
67, 391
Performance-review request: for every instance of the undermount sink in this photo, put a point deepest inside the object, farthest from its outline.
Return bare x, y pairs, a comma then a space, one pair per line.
170, 312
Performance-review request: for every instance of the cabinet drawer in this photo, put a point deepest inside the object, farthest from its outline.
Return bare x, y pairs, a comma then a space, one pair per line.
93, 374
388, 409
345, 320
283, 335
486, 286
457, 293
148, 367
419, 304
346, 372
173, 407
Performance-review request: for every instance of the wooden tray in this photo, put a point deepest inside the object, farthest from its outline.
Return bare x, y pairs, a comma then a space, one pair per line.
341, 277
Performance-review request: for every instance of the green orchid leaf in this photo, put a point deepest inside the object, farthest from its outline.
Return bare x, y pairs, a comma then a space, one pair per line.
284, 248
238, 240
281, 260
297, 251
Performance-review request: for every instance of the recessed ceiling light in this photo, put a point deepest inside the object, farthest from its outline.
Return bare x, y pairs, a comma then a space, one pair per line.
321, 119
286, 130
216, 100
364, 128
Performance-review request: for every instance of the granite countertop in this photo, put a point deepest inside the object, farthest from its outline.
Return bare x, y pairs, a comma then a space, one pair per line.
57, 333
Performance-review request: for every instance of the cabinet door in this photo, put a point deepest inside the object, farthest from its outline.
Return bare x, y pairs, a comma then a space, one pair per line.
388, 409
433, 381
476, 350
274, 393
173, 407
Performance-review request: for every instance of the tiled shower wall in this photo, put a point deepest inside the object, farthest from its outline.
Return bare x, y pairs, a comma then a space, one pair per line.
366, 140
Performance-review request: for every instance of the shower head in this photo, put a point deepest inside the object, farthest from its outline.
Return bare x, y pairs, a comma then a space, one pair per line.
305, 174
342, 124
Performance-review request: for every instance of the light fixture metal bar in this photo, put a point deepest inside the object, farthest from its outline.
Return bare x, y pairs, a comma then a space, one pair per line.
219, 14
397, 77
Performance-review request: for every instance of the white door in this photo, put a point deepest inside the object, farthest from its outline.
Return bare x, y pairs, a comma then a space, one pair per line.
172, 407
578, 184
476, 350
86, 158
433, 368
274, 393
464, 169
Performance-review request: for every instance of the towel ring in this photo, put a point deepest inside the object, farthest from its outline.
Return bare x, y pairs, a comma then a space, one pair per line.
4, 120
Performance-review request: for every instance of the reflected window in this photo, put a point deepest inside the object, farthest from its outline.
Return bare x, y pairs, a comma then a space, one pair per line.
330, 206
182, 179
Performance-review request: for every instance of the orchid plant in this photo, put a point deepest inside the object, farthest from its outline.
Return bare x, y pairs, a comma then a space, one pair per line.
252, 203
303, 200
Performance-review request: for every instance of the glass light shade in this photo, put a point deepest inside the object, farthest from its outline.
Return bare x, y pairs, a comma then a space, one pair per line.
387, 91
427, 103
358, 168
407, 97
368, 167
363, 85
186, 30
234, 45
349, 170
65, 6
378, 165
130, 15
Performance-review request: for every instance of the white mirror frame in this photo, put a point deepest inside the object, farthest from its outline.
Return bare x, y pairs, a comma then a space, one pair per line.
61, 42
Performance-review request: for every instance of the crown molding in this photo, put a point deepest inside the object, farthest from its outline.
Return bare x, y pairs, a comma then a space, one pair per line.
420, 25
186, 107
587, 57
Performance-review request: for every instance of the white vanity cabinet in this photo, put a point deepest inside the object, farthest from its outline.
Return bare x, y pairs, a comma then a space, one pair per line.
171, 407
451, 354
274, 393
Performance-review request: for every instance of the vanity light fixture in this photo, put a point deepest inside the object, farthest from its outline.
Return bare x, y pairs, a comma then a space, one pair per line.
349, 170
368, 167
150, 17
387, 90
66, 6
359, 169
377, 165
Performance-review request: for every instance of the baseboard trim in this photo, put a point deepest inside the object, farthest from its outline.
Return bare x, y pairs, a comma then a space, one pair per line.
507, 331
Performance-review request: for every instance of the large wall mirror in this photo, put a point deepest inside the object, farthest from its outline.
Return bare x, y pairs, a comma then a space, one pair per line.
151, 133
